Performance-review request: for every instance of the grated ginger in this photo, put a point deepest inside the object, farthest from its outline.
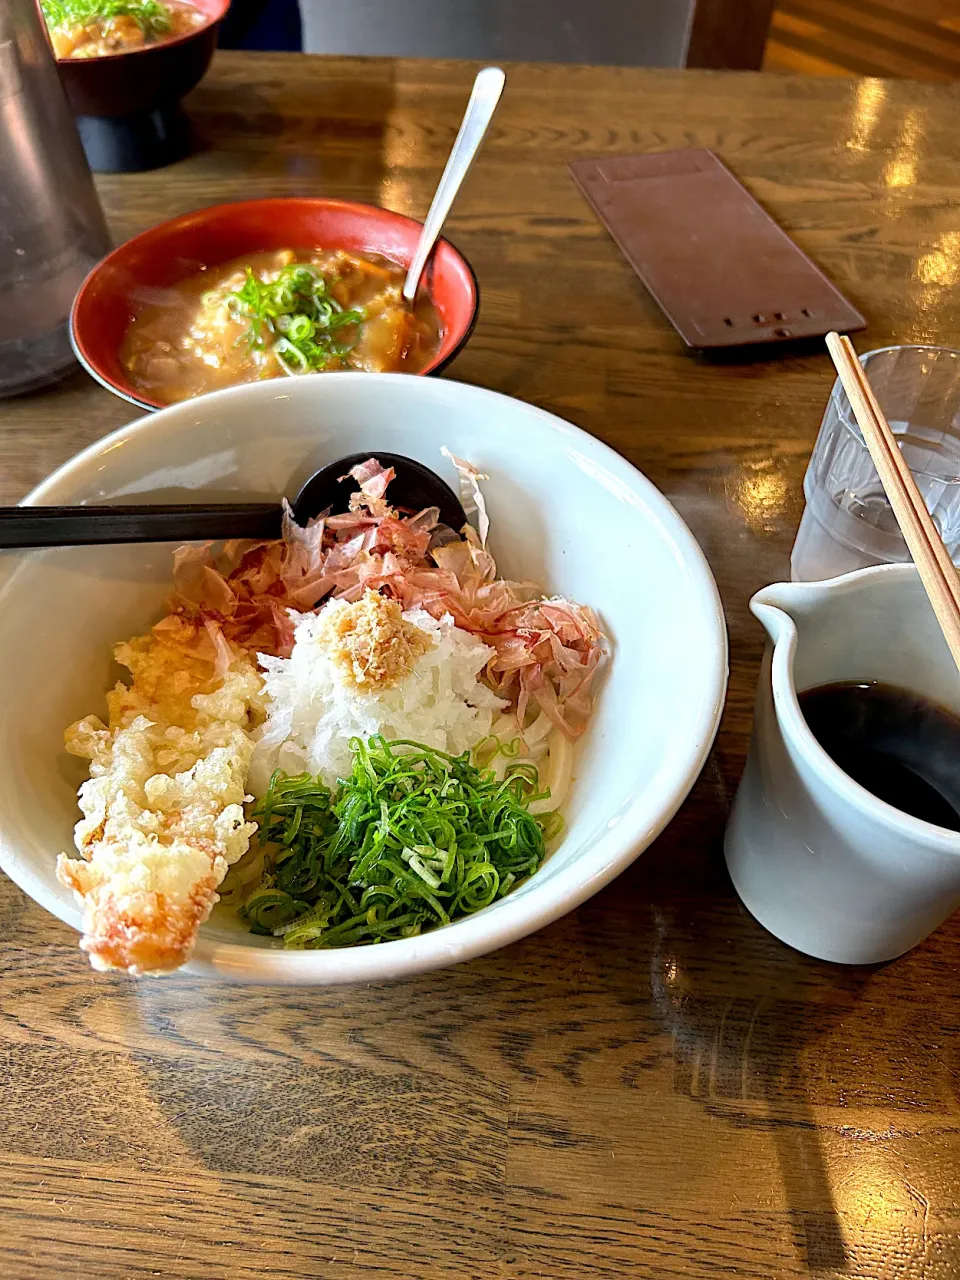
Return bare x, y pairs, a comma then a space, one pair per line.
370, 642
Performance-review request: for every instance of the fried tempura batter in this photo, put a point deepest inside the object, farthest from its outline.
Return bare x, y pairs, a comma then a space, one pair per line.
164, 802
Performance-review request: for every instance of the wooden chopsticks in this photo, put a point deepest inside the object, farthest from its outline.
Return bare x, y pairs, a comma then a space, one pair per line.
937, 571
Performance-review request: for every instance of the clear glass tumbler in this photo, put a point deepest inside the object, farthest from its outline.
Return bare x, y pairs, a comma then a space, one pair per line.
848, 523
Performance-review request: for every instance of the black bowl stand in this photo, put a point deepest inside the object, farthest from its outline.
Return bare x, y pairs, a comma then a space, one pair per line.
134, 143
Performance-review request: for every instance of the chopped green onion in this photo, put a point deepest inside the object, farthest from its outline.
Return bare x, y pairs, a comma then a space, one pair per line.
151, 16
269, 909
413, 839
300, 327
295, 316
290, 358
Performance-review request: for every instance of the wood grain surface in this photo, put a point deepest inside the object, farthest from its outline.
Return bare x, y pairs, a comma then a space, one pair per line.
653, 1086
916, 39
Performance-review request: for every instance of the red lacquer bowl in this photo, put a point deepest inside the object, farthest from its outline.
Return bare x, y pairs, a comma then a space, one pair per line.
163, 256
123, 84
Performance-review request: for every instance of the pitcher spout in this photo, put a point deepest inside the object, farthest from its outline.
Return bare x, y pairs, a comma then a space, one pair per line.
793, 615
849, 628
776, 608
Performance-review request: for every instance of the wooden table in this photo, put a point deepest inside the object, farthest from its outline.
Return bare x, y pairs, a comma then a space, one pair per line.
653, 1086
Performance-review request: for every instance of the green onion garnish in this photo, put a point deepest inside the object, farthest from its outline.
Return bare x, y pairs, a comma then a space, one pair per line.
413, 839
151, 16
296, 316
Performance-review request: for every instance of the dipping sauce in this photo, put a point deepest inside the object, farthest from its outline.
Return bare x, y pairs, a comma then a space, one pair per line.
99, 28
269, 315
897, 744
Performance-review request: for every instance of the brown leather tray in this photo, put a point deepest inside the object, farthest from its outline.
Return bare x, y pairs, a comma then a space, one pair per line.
722, 270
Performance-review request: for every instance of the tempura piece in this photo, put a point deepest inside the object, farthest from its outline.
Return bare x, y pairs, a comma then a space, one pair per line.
163, 806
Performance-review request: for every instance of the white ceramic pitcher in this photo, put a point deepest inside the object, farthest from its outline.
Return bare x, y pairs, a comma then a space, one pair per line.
821, 862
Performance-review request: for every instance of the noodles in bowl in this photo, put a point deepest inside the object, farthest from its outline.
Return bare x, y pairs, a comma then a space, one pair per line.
565, 512
391, 709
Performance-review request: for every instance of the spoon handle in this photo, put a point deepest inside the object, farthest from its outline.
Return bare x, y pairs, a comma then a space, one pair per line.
487, 89
83, 526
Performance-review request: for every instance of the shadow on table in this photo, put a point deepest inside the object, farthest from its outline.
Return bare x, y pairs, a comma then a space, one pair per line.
753, 353
751, 1019
745, 1056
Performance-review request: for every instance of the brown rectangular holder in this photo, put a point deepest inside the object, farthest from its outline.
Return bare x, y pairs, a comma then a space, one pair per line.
722, 270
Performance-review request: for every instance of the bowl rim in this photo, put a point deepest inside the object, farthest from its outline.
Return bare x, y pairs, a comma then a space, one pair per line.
172, 43
473, 936
89, 364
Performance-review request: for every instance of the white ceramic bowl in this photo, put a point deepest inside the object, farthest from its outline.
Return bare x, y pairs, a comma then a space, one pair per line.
565, 510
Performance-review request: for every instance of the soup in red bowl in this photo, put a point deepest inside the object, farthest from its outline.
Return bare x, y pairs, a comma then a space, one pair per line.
268, 288
126, 65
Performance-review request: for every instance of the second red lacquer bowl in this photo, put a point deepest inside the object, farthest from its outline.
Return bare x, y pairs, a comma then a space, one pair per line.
166, 254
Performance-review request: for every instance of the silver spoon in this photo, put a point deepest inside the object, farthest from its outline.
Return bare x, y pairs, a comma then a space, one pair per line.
487, 89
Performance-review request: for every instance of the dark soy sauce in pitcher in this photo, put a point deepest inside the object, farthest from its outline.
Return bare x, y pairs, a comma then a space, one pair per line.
900, 746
